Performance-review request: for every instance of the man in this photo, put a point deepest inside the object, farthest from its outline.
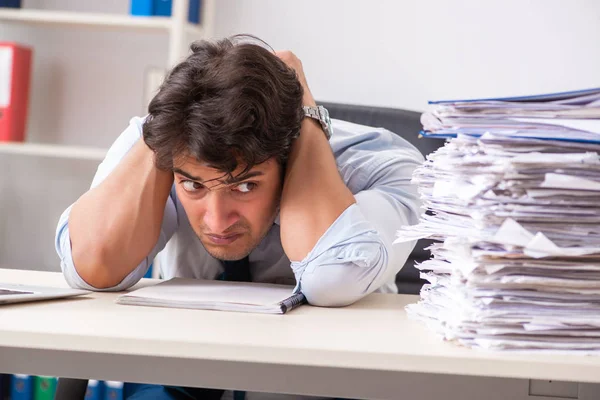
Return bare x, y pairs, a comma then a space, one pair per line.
235, 162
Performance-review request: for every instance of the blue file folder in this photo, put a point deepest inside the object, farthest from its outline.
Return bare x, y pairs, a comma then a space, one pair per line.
21, 387
535, 97
95, 390
568, 129
164, 8
113, 390
141, 7
10, 3
194, 11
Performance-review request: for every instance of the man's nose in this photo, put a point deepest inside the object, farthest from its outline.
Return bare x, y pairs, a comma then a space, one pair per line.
220, 213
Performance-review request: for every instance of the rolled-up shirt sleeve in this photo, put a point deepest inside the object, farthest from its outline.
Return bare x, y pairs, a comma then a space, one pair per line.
345, 263
63, 240
356, 255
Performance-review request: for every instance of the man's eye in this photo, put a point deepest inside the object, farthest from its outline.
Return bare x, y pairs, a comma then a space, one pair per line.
191, 186
246, 187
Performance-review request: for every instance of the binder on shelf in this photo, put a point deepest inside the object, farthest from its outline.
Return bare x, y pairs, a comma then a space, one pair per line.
15, 77
95, 390
44, 387
21, 387
141, 8
113, 390
3, 387
10, 3
194, 11
164, 8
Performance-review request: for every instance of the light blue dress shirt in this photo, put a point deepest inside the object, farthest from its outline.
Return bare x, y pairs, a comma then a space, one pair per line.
353, 258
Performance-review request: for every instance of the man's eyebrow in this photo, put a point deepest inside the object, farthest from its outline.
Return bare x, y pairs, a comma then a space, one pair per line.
235, 179
242, 177
187, 175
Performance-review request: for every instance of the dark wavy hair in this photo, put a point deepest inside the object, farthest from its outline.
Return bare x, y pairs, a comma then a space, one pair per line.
232, 101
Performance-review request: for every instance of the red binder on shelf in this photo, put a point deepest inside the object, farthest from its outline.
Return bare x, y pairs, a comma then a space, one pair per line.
15, 78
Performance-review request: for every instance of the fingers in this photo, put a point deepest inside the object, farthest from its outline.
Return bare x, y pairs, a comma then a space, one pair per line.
290, 59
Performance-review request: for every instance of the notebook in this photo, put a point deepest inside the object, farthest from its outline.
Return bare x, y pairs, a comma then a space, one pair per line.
200, 294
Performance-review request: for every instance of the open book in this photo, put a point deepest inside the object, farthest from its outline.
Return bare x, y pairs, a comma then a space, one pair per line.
216, 295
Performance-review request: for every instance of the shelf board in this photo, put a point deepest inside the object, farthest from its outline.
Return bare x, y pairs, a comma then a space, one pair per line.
53, 150
194, 30
101, 20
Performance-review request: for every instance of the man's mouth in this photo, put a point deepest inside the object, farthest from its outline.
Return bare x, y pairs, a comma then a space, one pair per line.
223, 239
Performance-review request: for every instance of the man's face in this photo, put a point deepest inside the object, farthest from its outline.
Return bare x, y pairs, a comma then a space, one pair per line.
230, 217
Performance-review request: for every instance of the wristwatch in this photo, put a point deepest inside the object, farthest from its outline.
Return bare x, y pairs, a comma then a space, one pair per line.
321, 114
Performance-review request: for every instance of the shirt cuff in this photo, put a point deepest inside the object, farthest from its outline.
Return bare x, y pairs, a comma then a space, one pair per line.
350, 239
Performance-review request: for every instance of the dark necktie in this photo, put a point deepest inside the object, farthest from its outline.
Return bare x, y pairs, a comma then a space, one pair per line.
237, 271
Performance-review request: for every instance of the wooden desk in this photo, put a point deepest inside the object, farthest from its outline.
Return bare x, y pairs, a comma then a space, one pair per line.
368, 350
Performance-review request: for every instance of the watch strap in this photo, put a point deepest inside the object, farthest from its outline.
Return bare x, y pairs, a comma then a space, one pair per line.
320, 114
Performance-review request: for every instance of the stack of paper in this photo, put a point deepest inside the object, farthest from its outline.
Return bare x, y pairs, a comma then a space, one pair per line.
517, 214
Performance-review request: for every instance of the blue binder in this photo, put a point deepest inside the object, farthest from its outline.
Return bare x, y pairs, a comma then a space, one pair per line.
585, 137
10, 3
163, 8
95, 390
194, 11
21, 387
113, 390
141, 7
535, 97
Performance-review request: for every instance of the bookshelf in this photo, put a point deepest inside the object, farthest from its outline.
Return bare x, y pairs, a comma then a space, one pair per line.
176, 26
53, 150
84, 19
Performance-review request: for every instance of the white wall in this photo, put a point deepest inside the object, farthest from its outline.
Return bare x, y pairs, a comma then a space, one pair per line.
88, 83
401, 53
34, 191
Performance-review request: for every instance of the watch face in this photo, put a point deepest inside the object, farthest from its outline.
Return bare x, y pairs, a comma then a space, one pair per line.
326, 115
326, 121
